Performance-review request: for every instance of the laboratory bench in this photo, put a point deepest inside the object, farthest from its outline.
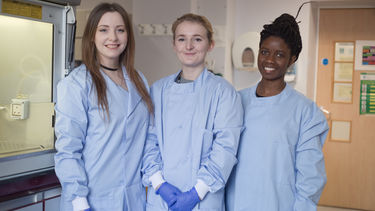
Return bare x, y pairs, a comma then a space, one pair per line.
36, 192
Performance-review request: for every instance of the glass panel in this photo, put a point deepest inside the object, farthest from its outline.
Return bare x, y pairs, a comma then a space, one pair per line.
342, 92
344, 72
340, 130
344, 51
26, 106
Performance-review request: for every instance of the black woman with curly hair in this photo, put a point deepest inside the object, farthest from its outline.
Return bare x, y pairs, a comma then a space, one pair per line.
281, 164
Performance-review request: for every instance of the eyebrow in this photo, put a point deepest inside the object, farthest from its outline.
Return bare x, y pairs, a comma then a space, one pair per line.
277, 50
194, 35
103, 25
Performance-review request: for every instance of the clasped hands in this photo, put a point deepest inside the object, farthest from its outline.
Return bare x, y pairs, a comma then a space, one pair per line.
177, 200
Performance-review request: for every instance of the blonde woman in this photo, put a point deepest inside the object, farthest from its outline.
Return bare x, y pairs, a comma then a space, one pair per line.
192, 144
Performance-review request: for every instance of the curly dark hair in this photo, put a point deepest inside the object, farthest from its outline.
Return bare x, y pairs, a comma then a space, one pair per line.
285, 27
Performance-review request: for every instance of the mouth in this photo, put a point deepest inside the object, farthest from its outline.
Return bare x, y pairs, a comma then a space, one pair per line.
189, 54
112, 46
269, 69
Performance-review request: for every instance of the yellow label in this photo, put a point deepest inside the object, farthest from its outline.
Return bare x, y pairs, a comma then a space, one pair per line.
22, 9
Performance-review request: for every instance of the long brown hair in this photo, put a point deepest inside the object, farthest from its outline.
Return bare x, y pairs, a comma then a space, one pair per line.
89, 55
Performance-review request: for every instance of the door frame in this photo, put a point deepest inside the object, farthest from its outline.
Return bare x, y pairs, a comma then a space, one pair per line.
315, 12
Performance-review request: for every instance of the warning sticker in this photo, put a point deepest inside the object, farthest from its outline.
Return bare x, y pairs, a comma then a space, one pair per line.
21, 9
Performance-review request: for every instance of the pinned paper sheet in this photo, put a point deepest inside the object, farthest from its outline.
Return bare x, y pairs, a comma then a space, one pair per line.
340, 130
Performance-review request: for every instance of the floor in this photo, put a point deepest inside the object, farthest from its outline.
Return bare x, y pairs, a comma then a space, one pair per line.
320, 208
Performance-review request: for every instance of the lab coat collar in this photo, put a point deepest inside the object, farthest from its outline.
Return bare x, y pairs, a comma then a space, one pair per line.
272, 100
184, 88
134, 97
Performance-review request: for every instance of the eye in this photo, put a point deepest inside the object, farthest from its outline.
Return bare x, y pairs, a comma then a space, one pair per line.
198, 39
121, 30
263, 52
280, 55
181, 39
102, 30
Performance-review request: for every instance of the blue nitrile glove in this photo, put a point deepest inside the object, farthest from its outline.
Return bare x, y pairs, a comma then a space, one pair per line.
186, 201
168, 193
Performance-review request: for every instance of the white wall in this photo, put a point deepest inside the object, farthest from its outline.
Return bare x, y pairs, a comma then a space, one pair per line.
154, 55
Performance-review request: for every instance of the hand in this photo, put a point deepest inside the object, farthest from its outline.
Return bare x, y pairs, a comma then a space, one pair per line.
168, 193
186, 201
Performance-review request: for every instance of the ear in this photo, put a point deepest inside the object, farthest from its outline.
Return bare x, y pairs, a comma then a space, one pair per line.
212, 45
292, 60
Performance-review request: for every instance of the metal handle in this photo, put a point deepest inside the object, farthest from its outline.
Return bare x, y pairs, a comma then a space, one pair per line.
326, 112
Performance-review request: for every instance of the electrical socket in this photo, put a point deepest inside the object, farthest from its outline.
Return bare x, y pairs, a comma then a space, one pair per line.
19, 108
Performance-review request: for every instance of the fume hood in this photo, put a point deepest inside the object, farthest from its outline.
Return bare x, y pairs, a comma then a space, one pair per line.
37, 42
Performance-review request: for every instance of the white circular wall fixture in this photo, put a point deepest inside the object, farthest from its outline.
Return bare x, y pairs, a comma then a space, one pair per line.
245, 51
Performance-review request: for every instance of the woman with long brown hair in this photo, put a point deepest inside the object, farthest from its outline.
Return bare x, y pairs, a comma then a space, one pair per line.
102, 115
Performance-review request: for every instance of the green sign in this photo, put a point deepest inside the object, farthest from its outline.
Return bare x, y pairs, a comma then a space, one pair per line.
367, 101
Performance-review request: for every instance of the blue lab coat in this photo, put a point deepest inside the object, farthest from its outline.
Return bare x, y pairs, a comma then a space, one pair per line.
280, 159
100, 158
194, 135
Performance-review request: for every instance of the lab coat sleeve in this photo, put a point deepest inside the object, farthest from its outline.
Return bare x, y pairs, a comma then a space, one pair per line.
70, 127
310, 168
228, 122
152, 162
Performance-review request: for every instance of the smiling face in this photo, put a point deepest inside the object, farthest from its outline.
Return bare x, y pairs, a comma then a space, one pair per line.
110, 38
274, 58
191, 45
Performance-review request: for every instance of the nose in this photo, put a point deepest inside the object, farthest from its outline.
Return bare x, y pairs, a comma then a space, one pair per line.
270, 58
189, 45
113, 35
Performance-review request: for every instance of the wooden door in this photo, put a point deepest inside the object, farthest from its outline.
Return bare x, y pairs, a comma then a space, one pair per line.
350, 165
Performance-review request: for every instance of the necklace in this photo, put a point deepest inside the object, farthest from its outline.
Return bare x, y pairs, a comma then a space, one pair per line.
108, 68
